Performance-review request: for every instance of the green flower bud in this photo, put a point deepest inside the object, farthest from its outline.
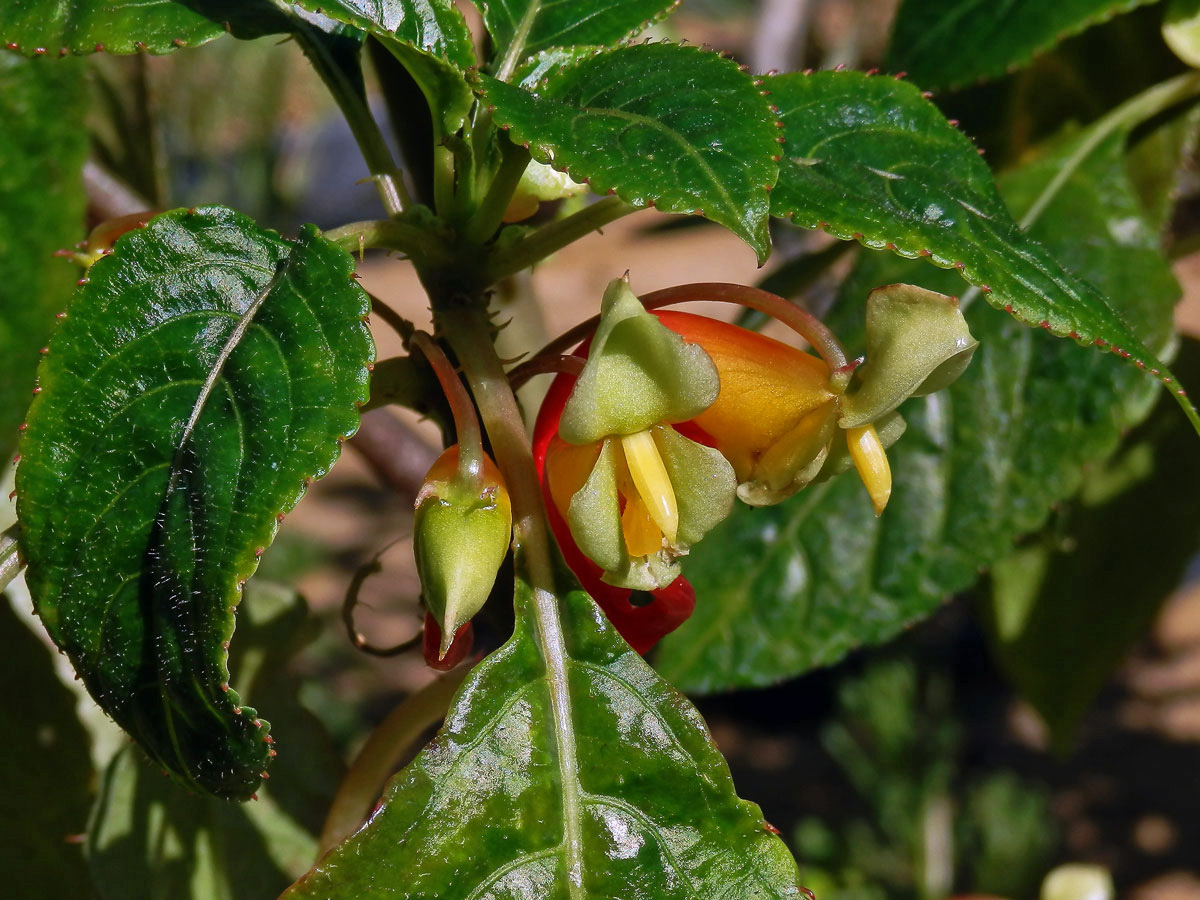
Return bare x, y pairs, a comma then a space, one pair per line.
462, 528
538, 185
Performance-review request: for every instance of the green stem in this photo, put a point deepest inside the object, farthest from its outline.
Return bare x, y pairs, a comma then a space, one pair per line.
383, 753
444, 181
490, 215
553, 237
416, 242
10, 555
352, 99
469, 331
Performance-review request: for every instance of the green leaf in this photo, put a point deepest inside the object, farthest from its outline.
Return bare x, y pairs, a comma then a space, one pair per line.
519, 795
48, 770
949, 43
1067, 609
619, 121
59, 27
521, 28
870, 159
42, 148
980, 463
203, 847
206, 372
431, 40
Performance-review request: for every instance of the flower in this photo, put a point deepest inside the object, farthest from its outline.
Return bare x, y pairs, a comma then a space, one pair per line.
634, 492
674, 414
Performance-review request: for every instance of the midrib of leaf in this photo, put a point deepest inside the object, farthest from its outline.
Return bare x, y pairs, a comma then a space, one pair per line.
688, 147
218, 367
513, 55
554, 653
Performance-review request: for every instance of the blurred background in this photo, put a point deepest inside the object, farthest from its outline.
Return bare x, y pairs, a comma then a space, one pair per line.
912, 770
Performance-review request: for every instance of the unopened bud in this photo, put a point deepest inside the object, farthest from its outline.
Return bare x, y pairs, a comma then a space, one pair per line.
461, 533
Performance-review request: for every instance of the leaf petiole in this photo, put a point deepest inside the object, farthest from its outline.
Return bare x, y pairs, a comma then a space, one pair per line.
555, 236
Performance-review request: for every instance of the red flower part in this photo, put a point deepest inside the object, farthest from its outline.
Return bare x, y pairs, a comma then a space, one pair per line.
431, 644
642, 624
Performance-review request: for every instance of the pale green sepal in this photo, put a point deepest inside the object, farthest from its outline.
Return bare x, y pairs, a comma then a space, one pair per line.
704, 481
889, 429
645, 573
639, 373
1181, 30
460, 540
594, 515
917, 343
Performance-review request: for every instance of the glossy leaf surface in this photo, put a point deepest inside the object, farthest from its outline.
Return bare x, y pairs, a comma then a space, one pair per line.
205, 373
204, 847
1068, 608
431, 40
980, 463
42, 149
58, 27
949, 43
619, 121
518, 796
870, 159
549, 24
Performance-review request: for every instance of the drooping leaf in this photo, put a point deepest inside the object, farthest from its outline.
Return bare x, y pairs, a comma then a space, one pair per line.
59, 27
620, 121
544, 24
870, 159
980, 463
431, 40
42, 148
949, 43
205, 373
203, 847
48, 770
1067, 609
518, 796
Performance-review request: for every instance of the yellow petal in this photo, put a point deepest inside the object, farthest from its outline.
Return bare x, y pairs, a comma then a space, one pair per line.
652, 482
642, 535
866, 450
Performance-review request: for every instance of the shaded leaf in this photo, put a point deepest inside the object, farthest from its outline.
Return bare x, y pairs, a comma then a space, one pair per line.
518, 795
870, 159
1066, 610
58, 27
188, 846
980, 463
567, 22
42, 148
620, 121
431, 40
949, 43
48, 771
207, 371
